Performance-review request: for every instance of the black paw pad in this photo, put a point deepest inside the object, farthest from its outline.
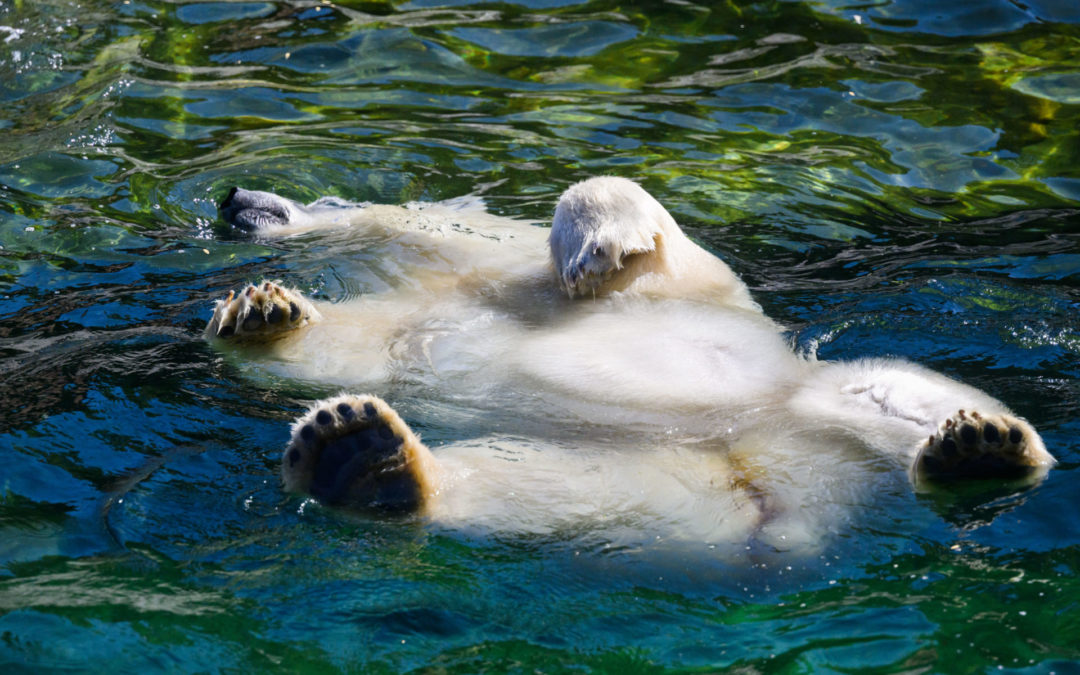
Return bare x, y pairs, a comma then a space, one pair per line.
346, 411
275, 316
294, 312
973, 445
948, 446
324, 417
253, 321
369, 409
969, 434
356, 469
294, 457
308, 433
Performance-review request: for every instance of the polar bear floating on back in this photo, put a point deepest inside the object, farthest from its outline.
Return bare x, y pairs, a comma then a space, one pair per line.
629, 380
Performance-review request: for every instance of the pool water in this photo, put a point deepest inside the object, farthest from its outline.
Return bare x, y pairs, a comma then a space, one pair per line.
891, 177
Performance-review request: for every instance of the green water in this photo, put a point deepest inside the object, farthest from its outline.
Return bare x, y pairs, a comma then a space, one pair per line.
890, 177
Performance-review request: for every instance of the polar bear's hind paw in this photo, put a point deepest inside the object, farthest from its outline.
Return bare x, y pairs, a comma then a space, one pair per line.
970, 445
260, 312
253, 210
354, 451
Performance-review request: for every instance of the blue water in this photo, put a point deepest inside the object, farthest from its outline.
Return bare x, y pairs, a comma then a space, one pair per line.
896, 177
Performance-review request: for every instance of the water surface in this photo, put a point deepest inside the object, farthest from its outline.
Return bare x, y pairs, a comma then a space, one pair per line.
893, 177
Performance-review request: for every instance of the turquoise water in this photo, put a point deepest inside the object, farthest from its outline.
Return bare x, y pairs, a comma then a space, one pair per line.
890, 177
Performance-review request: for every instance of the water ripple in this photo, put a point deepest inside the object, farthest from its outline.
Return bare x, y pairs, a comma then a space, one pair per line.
896, 177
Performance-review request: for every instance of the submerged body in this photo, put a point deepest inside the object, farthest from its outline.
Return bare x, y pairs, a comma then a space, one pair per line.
651, 396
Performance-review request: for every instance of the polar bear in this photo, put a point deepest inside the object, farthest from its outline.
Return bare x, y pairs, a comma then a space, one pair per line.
623, 380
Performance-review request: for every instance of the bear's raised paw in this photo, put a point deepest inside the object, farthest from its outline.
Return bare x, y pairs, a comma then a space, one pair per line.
260, 312
355, 451
972, 445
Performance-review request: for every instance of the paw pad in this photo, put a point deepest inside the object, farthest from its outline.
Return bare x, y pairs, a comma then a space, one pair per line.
260, 312
355, 451
971, 445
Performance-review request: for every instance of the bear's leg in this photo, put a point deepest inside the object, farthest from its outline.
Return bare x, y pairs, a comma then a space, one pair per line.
355, 451
973, 445
260, 312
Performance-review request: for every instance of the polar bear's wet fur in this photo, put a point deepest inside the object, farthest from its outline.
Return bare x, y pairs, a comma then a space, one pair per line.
622, 381
610, 235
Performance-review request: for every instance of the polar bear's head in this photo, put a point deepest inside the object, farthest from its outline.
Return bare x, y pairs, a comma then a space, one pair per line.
607, 231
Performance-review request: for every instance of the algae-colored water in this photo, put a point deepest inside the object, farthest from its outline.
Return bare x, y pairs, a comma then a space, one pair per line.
891, 177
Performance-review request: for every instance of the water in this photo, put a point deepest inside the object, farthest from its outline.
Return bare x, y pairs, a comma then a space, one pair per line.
890, 177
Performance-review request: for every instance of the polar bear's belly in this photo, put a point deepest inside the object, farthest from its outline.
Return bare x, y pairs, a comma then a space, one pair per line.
672, 357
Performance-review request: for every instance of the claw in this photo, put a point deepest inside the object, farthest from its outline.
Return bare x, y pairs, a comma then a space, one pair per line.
971, 445
260, 312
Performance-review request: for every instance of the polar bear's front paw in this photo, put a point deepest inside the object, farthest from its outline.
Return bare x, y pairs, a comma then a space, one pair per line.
355, 451
971, 445
260, 312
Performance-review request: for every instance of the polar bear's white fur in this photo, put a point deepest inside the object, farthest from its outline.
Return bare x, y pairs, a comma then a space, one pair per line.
609, 235
628, 383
